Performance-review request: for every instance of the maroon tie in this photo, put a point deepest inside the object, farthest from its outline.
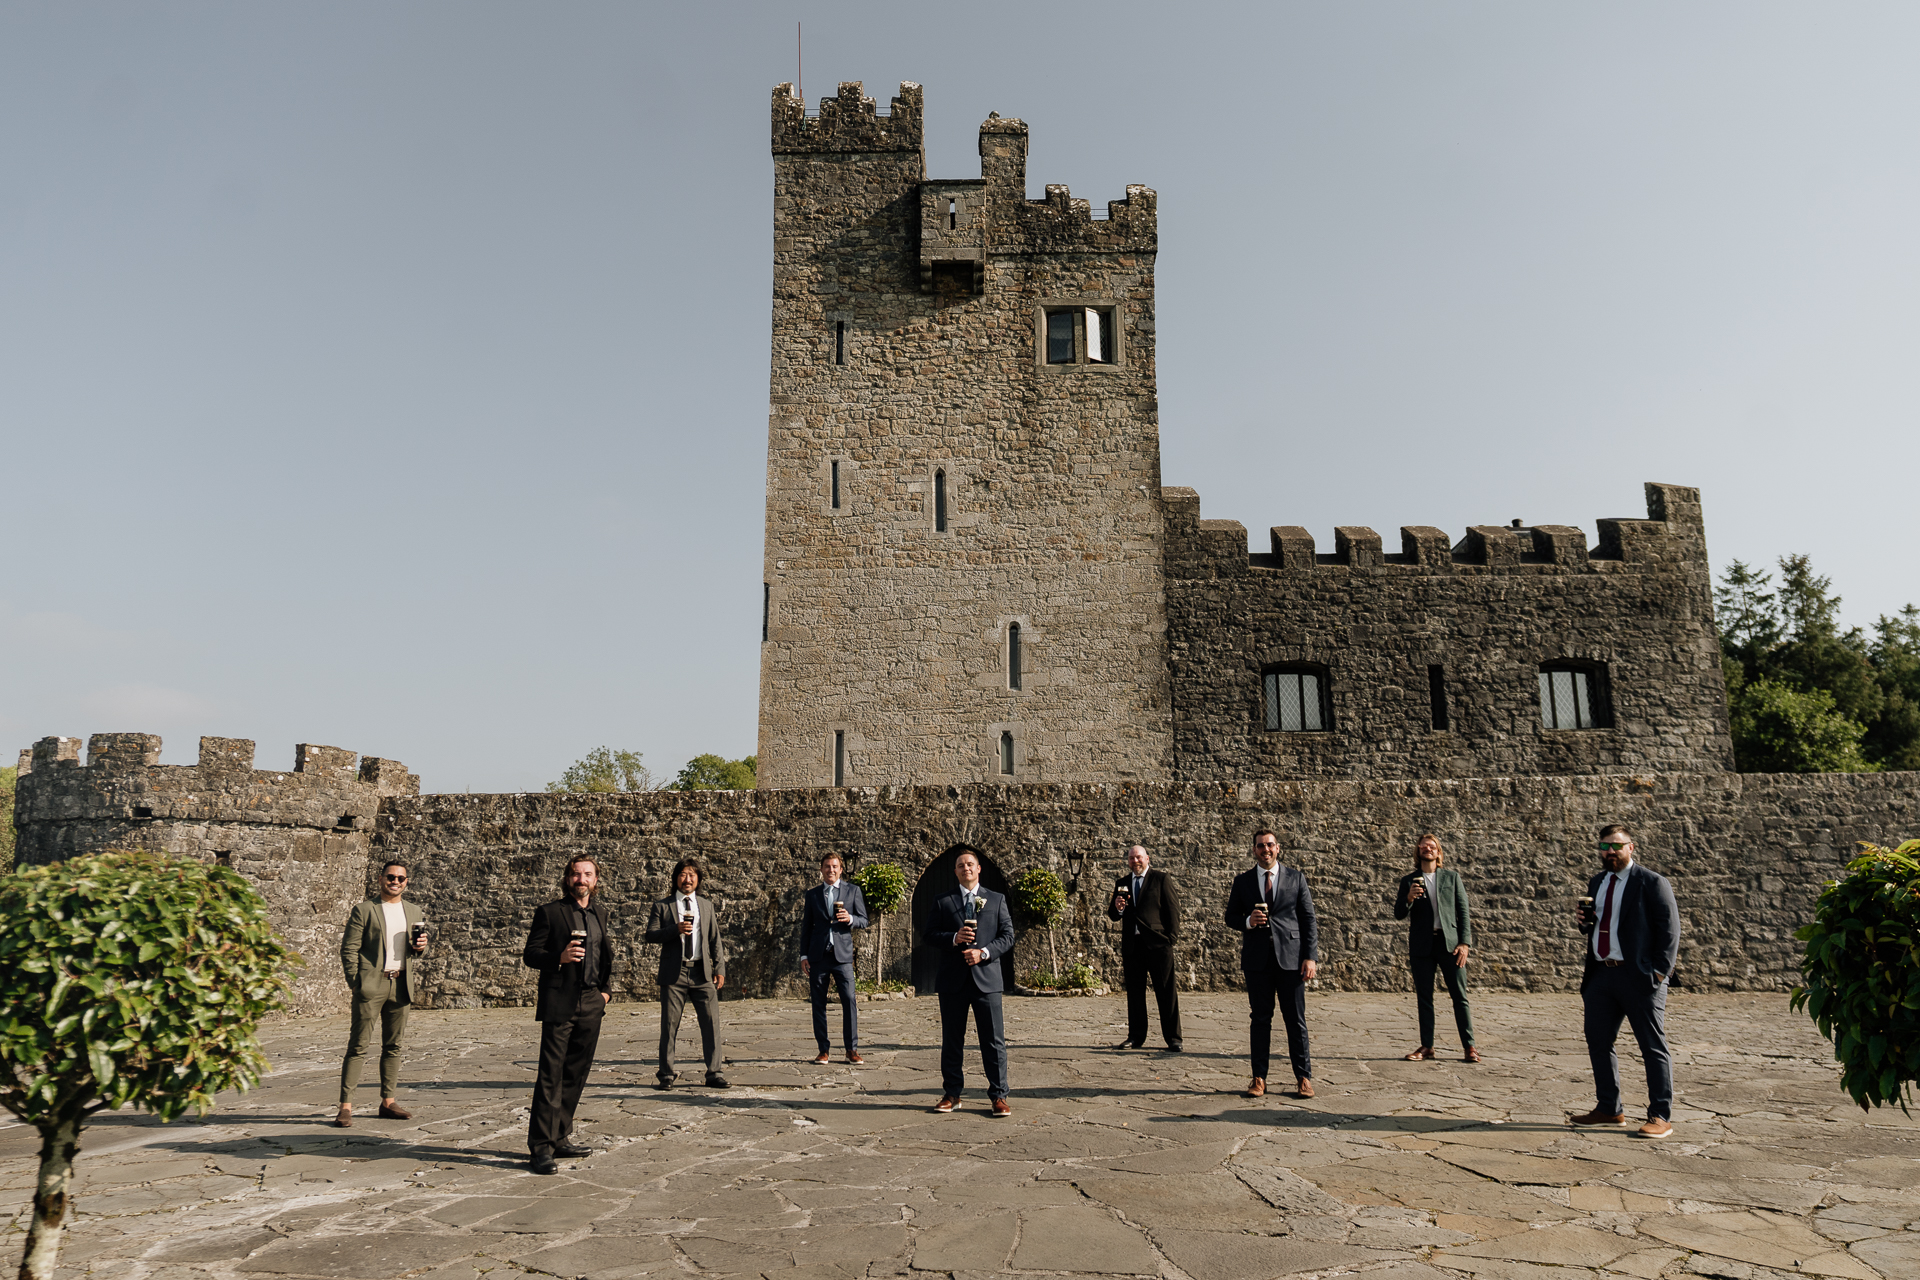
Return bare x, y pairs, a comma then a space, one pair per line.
1606, 919
1266, 887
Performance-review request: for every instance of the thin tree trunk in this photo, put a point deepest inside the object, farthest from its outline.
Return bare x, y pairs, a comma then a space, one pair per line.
880, 951
1053, 956
58, 1146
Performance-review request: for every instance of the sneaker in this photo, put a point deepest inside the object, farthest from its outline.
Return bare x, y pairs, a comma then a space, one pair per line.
822, 1060
1655, 1127
1597, 1117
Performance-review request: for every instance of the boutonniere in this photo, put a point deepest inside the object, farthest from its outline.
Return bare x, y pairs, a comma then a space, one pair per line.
979, 903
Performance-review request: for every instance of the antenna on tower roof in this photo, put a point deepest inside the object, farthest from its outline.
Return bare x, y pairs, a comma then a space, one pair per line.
799, 66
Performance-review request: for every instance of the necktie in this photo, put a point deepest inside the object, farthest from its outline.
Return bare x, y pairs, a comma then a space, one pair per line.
1266, 887
1136, 888
829, 903
686, 943
1606, 921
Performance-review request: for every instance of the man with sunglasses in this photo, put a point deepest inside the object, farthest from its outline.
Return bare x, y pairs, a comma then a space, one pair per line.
377, 952
1279, 954
1632, 927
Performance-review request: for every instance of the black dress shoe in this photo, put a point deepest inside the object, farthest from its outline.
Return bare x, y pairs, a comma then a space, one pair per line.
664, 1082
1174, 1048
1126, 1044
567, 1151
544, 1164
718, 1081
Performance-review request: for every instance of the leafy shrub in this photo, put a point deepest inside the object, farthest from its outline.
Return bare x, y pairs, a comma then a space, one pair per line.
128, 979
1038, 895
1779, 729
716, 773
884, 886
1862, 973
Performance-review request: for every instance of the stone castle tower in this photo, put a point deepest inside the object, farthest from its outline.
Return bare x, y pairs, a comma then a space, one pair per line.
964, 575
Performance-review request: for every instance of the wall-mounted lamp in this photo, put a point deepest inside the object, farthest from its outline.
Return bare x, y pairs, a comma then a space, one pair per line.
1076, 859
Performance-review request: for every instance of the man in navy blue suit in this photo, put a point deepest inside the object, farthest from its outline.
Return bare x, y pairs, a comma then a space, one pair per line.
834, 909
1279, 954
972, 929
1632, 926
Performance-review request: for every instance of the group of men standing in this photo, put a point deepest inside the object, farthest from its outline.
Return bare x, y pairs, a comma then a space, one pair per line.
1629, 918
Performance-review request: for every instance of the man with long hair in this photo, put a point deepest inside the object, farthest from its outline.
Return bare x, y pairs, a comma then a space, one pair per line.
693, 966
571, 945
1440, 936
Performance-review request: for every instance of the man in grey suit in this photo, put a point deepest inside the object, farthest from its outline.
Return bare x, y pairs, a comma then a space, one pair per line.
693, 966
833, 909
1279, 954
1632, 926
377, 950
1439, 938
973, 929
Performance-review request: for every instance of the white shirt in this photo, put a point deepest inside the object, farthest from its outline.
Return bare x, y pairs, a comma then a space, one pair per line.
393, 946
1615, 886
1429, 878
687, 904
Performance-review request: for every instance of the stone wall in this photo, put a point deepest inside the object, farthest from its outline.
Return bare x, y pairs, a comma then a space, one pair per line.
1746, 853
1636, 612
302, 837
906, 357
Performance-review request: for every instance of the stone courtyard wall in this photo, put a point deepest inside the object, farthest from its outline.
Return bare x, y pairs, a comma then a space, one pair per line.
302, 836
1746, 853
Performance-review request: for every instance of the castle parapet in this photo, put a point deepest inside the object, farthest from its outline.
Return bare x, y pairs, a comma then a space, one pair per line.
848, 122
953, 230
1672, 535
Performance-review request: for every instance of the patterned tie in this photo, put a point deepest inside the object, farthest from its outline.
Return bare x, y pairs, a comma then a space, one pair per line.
1606, 918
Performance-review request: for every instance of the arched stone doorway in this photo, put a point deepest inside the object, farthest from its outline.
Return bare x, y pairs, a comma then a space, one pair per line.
935, 882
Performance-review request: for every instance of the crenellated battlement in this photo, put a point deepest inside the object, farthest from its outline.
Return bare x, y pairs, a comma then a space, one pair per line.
1673, 534
1059, 223
848, 122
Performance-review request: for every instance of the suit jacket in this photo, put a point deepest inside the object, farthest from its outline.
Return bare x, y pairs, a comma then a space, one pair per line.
1152, 920
552, 930
1445, 911
663, 927
1647, 930
1292, 933
362, 953
993, 933
821, 936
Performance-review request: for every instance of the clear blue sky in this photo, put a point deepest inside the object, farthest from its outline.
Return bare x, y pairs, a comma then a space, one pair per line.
393, 376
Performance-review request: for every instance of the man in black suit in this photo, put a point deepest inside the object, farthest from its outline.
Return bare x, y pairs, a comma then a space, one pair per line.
1279, 954
1148, 909
834, 908
571, 945
973, 929
1632, 926
693, 965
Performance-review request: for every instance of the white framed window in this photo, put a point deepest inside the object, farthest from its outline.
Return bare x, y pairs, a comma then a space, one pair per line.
1293, 699
1078, 334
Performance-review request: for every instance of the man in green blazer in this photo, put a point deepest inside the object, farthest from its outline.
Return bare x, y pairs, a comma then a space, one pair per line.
377, 952
1441, 935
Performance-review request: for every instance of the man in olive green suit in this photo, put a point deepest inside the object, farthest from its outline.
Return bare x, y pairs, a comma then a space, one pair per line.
377, 952
1433, 899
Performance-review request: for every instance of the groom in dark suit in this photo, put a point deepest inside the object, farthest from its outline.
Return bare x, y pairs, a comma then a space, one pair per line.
834, 909
1279, 954
1632, 926
972, 929
1145, 904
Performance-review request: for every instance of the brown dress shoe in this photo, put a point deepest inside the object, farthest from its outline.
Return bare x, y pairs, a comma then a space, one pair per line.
1305, 1087
343, 1119
1000, 1107
855, 1059
394, 1111
822, 1060
1471, 1055
1597, 1116
946, 1104
1424, 1051
1256, 1088
1655, 1127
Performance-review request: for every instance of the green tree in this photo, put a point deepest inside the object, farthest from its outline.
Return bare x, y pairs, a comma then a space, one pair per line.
884, 886
1894, 739
1861, 973
128, 979
1780, 729
603, 769
1038, 895
714, 773
8, 776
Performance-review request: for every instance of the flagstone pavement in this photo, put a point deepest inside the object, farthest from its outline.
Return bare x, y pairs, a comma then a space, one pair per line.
1113, 1162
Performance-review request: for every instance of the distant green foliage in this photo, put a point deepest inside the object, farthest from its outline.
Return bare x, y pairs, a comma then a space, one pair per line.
1862, 973
8, 776
1780, 645
713, 773
883, 885
1780, 729
1078, 977
1037, 895
603, 769
128, 979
